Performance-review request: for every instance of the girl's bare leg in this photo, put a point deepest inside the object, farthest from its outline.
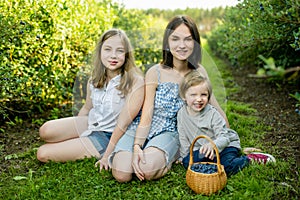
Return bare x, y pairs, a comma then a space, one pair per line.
155, 166
63, 142
63, 129
69, 150
121, 166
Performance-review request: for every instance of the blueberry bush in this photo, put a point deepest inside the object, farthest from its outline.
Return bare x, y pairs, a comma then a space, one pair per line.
42, 45
259, 27
145, 33
45, 45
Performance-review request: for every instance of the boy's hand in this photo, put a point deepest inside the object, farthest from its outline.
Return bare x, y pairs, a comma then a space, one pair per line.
208, 150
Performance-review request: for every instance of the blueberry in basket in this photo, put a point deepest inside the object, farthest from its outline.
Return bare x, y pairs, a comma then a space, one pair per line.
204, 168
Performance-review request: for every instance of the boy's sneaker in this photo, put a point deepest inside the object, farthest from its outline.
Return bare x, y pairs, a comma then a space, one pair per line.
261, 158
248, 150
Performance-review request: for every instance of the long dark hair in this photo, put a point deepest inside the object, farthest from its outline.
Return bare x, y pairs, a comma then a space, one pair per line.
195, 58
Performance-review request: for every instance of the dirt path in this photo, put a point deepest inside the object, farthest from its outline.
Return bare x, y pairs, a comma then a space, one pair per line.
276, 108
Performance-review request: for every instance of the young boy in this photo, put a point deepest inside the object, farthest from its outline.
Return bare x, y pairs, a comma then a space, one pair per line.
198, 117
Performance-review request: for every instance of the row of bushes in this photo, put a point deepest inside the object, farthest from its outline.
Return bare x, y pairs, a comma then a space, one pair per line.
270, 28
45, 44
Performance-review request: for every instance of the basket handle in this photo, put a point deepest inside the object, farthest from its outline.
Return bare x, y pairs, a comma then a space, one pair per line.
214, 146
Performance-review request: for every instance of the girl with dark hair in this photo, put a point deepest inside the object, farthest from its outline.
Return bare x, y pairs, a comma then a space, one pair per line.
150, 150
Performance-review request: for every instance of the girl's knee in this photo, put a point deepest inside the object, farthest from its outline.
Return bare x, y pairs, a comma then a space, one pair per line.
121, 177
42, 154
150, 175
155, 174
149, 170
154, 169
44, 131
121, 166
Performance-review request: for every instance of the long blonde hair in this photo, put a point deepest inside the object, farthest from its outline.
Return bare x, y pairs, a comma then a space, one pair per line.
128, 70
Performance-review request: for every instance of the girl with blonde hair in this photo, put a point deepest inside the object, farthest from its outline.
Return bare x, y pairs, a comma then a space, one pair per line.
115, 85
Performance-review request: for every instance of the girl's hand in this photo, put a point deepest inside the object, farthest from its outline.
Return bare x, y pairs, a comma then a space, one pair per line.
103, 164
138, 156
208, 150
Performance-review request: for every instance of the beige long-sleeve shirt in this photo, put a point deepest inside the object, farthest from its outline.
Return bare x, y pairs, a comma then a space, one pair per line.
208, 122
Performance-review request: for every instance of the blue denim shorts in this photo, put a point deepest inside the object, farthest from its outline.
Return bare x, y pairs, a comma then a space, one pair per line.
166, 141
100, 140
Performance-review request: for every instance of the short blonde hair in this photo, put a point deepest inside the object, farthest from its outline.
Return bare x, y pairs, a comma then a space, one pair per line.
194, 78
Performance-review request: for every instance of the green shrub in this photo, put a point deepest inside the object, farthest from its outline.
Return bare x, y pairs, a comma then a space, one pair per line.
42, 45
266, 27
46, 44
145, 34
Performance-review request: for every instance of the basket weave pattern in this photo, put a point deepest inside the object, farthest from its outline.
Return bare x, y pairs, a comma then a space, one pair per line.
202, 183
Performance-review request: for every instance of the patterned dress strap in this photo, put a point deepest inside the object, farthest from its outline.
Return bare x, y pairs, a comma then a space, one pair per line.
158, 73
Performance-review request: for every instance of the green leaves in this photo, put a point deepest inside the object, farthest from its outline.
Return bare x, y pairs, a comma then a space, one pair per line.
18, 178
296, 43
270, 69
259, 27
43, 43
297, 97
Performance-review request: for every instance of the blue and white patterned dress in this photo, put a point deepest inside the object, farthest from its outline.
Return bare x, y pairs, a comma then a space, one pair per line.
166, 105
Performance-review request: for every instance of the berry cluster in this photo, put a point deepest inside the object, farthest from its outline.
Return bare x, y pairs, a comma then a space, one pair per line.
204, 168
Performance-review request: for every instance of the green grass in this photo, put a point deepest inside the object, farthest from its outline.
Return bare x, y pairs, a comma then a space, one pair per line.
27, 178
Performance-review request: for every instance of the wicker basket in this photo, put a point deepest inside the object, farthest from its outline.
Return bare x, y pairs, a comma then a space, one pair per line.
201, 183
